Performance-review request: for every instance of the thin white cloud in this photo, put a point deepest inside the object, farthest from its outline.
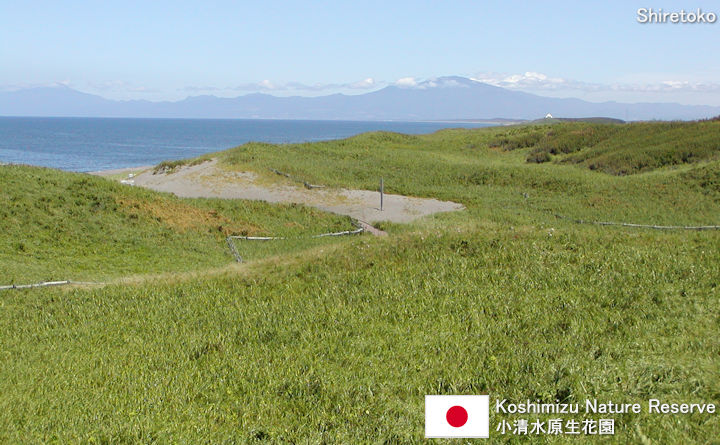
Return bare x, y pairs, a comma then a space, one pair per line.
670, 86
406, 82
531, 80
539, 82
363, 84
196, 89
267, 85
25, 85
433, 82
118, 86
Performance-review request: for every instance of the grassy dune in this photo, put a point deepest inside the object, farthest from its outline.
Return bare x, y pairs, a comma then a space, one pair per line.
619, 149
492, 177
339, 343
59, 226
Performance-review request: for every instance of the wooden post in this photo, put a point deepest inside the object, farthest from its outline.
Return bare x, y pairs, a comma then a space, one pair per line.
382, 192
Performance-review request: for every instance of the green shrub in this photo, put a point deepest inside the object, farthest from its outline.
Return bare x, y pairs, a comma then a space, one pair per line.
539, 157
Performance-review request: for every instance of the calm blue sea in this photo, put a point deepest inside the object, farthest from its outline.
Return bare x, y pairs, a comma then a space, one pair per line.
90, 144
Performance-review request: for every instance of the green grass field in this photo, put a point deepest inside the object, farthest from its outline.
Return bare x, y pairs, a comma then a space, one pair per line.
339, 341
59, 226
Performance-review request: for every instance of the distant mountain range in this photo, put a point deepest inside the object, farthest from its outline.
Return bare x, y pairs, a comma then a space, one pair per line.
444, 98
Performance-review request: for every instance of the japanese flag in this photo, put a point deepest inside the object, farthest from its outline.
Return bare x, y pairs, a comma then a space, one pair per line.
457, 416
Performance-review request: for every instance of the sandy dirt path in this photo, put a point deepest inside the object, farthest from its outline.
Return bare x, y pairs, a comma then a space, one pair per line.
208, 180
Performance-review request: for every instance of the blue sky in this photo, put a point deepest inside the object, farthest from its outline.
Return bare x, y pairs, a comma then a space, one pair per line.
156, 50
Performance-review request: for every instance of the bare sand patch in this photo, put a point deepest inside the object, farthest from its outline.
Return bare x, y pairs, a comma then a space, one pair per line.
208, 180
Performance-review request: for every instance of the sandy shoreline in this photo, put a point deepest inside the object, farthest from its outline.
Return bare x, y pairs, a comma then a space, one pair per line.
121, 171
208, 180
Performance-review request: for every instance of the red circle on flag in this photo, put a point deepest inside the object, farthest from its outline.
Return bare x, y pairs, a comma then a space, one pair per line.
457, 416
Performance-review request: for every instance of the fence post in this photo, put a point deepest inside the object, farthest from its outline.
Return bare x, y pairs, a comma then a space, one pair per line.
382, 192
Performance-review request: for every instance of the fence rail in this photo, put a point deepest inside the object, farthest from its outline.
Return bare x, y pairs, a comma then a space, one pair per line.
644, 226
43, 284
230, 243
239, 259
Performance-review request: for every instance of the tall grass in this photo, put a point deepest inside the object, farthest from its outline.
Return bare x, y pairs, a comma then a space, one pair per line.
341, 345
